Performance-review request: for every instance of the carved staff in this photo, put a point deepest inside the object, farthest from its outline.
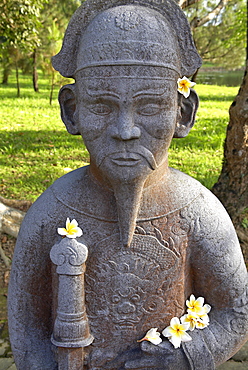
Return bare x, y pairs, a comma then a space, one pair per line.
71, 328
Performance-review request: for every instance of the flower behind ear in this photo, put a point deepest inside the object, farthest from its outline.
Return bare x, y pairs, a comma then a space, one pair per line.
184, 85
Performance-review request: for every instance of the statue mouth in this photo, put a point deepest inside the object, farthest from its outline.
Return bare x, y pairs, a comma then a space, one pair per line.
129, 323
126, 159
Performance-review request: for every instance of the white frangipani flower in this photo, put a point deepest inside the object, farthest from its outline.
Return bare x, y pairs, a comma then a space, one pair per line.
190, 318
71, 229
184, 85
195, 305
176, 332
152, 336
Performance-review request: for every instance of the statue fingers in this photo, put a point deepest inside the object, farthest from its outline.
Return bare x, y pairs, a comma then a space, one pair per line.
163, 348
144, 363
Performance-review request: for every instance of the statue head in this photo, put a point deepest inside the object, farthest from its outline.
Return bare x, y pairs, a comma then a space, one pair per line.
126, 60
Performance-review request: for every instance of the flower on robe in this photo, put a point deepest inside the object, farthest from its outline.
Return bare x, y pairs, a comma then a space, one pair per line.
176, 332
197, 314
195, 318
190, 318
152, 336
203, 318
202, 321
195, 305
184, 85
71, 229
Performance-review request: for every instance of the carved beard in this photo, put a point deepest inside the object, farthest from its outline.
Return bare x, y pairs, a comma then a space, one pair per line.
128, 197
128, 188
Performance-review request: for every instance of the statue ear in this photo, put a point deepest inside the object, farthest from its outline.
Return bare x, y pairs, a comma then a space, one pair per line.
187, 108
67, 101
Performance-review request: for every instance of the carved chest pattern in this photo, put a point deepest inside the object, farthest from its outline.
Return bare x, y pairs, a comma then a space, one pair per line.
130, 290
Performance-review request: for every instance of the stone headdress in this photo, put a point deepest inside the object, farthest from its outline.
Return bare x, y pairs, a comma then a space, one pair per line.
157, 34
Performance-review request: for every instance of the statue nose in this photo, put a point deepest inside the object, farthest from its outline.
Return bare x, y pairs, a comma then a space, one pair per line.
126, 308
125, 128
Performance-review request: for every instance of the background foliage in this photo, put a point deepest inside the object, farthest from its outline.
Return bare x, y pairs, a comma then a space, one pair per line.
36, 148
222, 39
31, 31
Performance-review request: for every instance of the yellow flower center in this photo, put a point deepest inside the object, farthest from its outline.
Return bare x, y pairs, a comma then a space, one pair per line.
178, 330
71, 230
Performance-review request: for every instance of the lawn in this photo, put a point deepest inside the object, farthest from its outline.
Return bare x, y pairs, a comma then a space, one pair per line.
36, 149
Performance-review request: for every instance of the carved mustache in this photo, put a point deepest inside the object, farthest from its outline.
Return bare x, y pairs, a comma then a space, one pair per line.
140, 150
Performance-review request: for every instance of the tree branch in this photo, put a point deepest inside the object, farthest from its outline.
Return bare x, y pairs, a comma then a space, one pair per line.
186, 3
197, 22
5, 259
10, 220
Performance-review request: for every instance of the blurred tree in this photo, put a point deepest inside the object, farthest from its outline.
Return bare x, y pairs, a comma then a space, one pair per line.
222, 40
232, 185
19, 26
7, 63
55, 19
226, 29
23, 30
219, 29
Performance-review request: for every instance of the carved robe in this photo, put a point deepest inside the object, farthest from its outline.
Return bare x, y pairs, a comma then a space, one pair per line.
184, 243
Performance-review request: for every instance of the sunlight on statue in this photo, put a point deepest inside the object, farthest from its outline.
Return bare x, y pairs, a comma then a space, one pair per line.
155, 236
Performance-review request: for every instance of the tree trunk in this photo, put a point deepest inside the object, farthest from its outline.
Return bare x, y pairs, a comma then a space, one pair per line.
17, 81
6, 73
52, 88
232, 185
35, 73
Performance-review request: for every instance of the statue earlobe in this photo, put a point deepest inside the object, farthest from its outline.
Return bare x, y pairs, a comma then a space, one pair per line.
187, 108
67, 101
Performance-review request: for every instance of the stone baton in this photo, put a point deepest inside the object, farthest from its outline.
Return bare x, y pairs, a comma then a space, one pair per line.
71, 328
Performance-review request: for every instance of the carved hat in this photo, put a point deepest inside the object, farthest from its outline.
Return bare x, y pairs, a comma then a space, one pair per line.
118, 32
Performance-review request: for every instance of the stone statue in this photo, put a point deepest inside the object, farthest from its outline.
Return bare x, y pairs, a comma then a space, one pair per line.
154, 235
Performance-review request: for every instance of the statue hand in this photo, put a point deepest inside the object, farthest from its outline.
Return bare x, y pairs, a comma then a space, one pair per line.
162, 356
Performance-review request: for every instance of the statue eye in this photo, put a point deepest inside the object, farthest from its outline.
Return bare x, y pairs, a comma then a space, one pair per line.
100, 109
149, 109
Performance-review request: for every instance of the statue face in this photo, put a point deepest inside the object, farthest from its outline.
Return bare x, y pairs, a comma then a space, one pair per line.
127, 123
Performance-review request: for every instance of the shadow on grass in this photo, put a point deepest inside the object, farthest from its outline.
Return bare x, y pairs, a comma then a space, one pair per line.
26, 141
200, 141
213, 97
34, 159
14, 142
31, 161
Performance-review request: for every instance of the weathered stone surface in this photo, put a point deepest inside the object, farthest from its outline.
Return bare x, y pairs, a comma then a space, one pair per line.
154, 235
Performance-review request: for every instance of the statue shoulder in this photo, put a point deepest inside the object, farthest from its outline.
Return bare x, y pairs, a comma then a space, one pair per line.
183, 189
185, 184
202, 202
175, 191
72, 181
46, 210
63, 186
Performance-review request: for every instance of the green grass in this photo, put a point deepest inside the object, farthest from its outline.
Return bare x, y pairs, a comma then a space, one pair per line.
200, 154
36, 149
34, 145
